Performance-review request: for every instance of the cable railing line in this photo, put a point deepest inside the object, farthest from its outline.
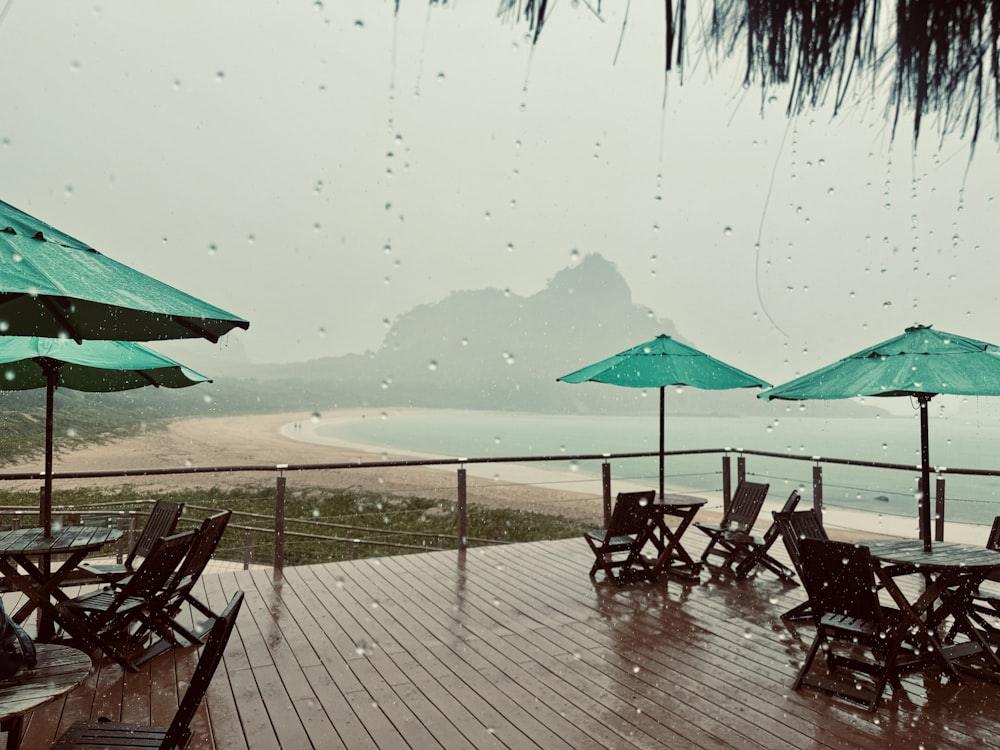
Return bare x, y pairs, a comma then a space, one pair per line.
817, 463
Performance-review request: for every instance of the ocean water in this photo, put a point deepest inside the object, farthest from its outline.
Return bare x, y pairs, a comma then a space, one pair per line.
954, 443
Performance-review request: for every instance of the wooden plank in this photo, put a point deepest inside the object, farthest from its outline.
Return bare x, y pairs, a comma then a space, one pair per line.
516, 647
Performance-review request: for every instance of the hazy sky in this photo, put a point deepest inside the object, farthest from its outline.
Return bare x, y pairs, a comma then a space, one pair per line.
321, 167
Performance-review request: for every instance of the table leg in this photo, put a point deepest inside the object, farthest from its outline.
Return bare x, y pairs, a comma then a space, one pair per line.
915, 622
14, 726
673, 558
39, 589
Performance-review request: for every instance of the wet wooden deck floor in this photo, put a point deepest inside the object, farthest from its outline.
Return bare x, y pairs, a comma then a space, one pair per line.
516, 647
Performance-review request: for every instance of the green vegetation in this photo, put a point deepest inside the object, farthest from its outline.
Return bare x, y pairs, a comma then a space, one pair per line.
324, 525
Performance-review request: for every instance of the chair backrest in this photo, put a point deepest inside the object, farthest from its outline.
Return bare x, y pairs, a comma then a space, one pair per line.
162, 521
745, 506
790, 504
796, 526
154, 570
993, 540
839, 578
631, 513
179, 732
205, 542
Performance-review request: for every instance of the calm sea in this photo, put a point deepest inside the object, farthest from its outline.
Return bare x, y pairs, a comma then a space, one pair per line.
955, 443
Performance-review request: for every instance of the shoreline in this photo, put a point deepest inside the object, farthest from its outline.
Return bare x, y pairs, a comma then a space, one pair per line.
290, 438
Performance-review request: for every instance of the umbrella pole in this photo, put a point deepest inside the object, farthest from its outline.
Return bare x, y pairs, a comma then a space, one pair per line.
925, 475
51, 376
663, 410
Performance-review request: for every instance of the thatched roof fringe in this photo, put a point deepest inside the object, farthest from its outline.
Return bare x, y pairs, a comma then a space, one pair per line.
940, 57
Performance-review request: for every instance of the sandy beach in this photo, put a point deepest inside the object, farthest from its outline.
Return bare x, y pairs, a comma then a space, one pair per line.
290, 440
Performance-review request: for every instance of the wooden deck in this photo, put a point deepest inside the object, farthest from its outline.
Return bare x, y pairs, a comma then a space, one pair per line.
515, 647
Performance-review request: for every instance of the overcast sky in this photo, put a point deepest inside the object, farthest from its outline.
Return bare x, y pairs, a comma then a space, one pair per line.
321, 167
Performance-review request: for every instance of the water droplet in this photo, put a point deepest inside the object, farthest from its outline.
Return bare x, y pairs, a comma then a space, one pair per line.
727, 231
432, 365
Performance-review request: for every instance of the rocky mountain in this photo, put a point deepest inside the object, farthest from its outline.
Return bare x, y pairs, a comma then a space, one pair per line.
491, 350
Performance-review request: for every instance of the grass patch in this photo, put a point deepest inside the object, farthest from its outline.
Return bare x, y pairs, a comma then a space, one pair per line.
325, 525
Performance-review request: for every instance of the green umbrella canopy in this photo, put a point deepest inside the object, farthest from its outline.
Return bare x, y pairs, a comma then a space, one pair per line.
94, 366
53, 285
921, 363
97, 366
659, 363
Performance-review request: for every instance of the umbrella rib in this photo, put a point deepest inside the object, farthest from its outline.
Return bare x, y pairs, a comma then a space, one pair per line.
63, 320
142, 374
202, 332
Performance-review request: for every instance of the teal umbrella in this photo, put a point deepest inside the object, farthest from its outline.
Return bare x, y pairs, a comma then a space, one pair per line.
921, 363
27, 362
55, 286
663, 362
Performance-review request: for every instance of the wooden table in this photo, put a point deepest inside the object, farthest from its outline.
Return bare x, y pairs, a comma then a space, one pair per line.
951, 572
59, 670
671, 555
42, 587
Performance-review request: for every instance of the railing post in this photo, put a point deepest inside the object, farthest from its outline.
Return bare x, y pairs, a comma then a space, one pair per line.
463, 521
606, 490
939, 511
132, 530
279, 521
727, 485
120, 524
249, 543
818, 488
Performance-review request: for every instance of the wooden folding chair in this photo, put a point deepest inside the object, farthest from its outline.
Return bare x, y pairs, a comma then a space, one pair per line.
627, 533
983, 607
854, 630
164, 620
107, 734
103, 618
727, 538
754, 551
793, 527
162, 521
